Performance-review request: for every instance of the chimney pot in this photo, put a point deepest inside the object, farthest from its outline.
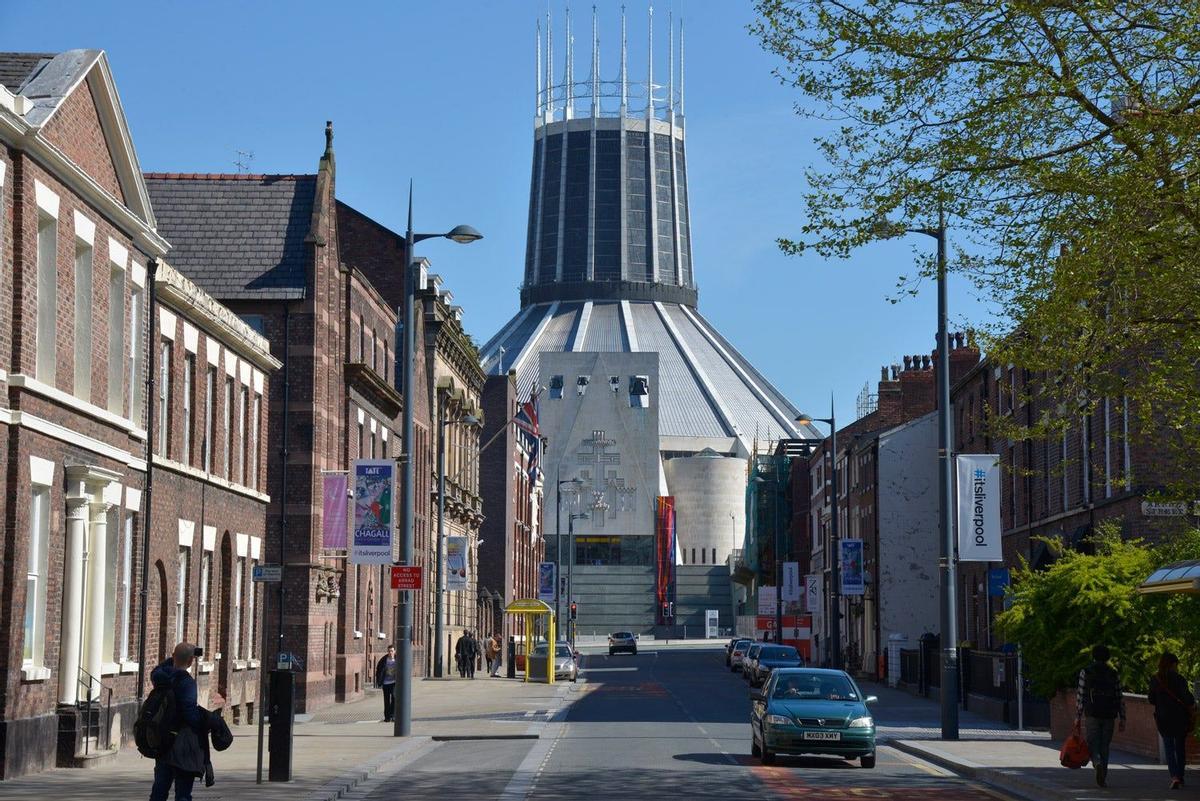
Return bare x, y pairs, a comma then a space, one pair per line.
908, 362
895, 372
883, 373
924, 362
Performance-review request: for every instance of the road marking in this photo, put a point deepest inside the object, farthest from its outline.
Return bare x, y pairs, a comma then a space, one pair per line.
609, 670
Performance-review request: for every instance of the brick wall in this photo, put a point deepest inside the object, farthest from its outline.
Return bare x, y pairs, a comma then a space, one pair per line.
1140, 736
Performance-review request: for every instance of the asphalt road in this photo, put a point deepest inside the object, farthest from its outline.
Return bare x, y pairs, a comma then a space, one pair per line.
667, 721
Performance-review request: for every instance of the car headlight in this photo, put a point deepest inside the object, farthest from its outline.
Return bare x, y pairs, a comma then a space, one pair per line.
779, 720
864, 722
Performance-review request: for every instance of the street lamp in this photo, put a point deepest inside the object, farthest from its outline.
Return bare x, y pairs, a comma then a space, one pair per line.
462, 234
440, 592
577, 483
835, 591
949, 622
571, 518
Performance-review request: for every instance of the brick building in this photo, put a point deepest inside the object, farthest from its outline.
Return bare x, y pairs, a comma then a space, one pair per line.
512, 542
1097, 470
78, 248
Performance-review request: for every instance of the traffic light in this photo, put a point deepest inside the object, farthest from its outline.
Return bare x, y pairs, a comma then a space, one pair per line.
574, 609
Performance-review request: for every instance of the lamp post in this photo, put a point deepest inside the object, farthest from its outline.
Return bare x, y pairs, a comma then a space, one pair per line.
835, 558
947, 569
440, 597
571, 518
576, 482
463, 234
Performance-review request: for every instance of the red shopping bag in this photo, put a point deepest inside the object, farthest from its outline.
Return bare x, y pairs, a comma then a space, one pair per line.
1075, 752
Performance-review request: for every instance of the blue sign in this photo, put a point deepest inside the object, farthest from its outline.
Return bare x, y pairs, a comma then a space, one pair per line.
998, 579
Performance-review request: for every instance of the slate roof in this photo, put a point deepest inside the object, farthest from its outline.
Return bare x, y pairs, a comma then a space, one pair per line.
15, 68
240, 237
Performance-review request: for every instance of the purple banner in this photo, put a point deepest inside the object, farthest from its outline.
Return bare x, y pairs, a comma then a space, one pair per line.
333, 516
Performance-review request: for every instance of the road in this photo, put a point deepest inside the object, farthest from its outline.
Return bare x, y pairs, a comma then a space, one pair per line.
668, 720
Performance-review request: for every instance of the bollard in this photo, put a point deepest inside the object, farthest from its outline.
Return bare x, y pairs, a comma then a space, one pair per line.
512, 657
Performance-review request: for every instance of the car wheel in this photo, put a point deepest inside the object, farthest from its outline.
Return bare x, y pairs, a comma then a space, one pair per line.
867, 761
633, 652
767, 756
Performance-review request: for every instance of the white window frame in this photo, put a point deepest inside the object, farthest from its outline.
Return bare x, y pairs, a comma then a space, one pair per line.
255, 445
47, 297
112, 587
37, 570
136, 387
126, 588
181, 593
210, 397
235, 613
164, 395
116, 337
228, 432
202, 611
251, 605
84, 256
189, 423
243, 394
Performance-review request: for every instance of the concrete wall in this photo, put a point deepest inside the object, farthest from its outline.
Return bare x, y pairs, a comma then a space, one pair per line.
614, 598
908, 536
707, 489
697, 589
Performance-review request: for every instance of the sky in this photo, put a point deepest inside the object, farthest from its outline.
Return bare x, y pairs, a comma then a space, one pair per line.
442, 94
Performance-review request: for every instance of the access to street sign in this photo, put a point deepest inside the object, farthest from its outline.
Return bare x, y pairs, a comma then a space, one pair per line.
267, 573
406, 577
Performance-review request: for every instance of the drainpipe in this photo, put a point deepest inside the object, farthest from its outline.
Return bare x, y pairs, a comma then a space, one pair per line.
148, 492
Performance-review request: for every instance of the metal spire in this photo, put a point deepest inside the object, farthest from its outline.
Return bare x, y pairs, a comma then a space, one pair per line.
650, 67
624, 70
595, 65
681, 112
569, 107
671, 64
538, 97
549, 68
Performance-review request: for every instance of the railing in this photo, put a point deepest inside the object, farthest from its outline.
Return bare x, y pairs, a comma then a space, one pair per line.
93, 718
910, 666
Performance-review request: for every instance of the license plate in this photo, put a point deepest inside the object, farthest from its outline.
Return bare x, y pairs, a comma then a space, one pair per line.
823, 735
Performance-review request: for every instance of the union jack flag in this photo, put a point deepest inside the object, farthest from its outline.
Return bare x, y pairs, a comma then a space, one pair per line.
531, 434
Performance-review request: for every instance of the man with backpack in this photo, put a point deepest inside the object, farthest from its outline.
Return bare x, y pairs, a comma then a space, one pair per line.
170, 706
1100, 703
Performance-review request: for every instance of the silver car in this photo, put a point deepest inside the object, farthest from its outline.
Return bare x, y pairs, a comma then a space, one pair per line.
738, 654
566, 663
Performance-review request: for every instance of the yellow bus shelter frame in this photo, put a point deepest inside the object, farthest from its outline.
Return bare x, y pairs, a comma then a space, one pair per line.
531, 609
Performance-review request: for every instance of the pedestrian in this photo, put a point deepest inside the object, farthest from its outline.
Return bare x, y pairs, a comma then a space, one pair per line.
173, 673
1099, 703
460, 655
385, 679
495, 647
1174, 714
471, 654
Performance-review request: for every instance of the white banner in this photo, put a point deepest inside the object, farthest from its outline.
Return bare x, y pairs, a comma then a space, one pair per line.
456, 563
812, 593
766, 600
791, 582
979, 508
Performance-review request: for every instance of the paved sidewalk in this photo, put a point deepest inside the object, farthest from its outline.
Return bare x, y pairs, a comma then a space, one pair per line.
1023, 763
334, 750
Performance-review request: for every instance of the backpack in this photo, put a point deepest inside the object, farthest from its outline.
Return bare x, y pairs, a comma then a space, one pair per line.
1101, 692
154, 729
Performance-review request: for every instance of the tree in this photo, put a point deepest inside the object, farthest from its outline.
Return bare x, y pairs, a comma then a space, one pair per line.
1058, 614
1060, 139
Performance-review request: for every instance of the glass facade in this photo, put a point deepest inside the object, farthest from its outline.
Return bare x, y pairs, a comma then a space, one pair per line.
575, 224
551, 188
531, 240
685, 230
665, 233
608, 206
637, 212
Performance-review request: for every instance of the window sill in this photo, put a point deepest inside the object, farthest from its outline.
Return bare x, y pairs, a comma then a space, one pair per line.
129, 667
381, 636
358, 635
254, 663
34, 673
28, 382
206, 667
110, 669
239, 664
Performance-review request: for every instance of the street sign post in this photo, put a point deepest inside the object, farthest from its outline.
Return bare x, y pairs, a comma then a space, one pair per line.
267, 573
406, 577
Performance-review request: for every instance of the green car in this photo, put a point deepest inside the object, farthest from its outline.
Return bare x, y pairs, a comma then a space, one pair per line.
812, 711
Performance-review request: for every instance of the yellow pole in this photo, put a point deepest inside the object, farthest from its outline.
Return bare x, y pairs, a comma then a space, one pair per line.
528, 629
553, 637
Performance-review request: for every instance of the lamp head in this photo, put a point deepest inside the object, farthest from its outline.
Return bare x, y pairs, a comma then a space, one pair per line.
804, 419
883, 228
464, 234
471, 420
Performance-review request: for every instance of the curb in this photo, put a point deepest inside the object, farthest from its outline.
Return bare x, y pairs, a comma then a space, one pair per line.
387, 762
997, 778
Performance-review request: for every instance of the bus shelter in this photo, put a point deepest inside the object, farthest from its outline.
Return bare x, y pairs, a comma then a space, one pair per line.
1180, 577
538, 616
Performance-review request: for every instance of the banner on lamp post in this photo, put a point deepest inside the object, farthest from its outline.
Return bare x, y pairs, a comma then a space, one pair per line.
979, 508
334, 491
812, 593
854, 579
791, 582
767, 600
374, 491
456, 563
547, 578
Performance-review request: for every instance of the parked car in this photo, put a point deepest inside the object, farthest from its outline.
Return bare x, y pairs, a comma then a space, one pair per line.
812, 711
738, 655
771, 657
622, 641
729, 646
566, 661
748, 664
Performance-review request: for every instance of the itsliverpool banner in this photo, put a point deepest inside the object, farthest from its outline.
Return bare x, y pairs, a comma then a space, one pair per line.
979, 508
854, 579
374, 491
456, 563
547, 578
333, 510
791, 582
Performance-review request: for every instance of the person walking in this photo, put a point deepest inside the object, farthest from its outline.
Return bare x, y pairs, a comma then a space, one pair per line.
174, 673
471, 654
460, 655
495, 647
1100, 703
385, 679
1174, 714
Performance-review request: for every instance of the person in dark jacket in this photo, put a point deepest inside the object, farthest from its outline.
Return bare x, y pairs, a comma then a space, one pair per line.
174, 673
1174, 706
471, 654
385, 679
460, 656
1100, 706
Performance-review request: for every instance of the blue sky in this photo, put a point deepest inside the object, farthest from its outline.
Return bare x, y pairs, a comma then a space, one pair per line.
442, 93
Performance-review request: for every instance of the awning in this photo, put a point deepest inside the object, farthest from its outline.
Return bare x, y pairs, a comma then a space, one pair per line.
1178, 577
529, 606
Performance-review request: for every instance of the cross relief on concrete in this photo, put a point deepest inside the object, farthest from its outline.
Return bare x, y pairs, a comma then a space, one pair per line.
610, 495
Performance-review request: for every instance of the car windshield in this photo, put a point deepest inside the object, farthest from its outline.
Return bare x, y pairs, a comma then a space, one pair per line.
563, 650
778, 652
754, 649
741, 647
815, 686
622, 635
